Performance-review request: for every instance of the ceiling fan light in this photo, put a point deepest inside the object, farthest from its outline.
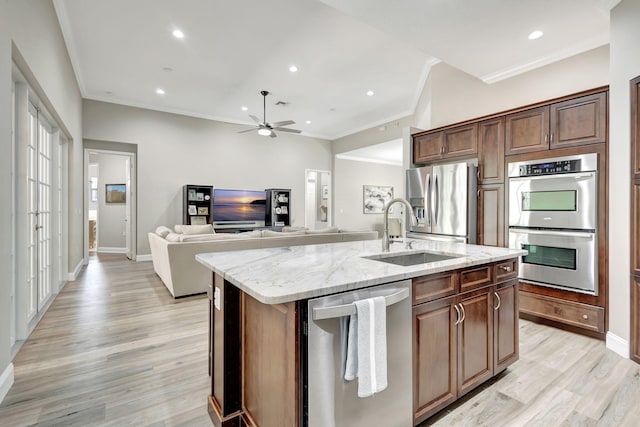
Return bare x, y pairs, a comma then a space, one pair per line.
264, 132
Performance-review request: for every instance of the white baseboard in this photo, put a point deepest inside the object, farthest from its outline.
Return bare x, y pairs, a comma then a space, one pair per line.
6, 381
143, 258
73, 275
107, 250
618, 345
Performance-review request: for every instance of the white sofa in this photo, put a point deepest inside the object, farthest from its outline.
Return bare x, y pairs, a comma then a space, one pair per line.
175, 263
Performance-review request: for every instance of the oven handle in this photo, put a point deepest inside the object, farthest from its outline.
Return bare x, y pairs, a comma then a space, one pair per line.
583, 235
554, 176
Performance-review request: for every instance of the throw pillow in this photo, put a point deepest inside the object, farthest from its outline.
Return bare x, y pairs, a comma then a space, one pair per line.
194, 229
173, 237
163, 231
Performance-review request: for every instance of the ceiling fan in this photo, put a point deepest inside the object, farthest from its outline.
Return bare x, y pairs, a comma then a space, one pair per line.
267, 129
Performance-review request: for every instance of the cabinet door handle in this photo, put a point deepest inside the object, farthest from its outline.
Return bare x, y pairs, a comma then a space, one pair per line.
499, 301
458, 315
546, 138
552, 137
464, 315
505, 268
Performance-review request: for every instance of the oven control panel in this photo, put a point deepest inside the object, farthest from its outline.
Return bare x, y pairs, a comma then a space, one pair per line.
549, 168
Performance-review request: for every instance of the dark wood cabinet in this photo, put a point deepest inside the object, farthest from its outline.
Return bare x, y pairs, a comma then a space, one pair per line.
491, 229
460, 141
579, 121
570, 123
475, 339
434, 357
491, 151
505, 325
635, 319
462, 340
527, 131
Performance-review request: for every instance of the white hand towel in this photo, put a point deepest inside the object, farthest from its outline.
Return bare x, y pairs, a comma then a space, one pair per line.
349, 329
371, 341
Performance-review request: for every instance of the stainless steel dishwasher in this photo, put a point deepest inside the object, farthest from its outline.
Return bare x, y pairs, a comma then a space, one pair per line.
330, 401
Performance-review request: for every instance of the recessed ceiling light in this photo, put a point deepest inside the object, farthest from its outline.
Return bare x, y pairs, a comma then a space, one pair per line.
160, 91
293, 68
535, 35
244, 108
178, 34
370, 93
308, 122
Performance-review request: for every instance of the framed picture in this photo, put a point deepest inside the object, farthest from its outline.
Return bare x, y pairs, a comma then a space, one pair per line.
375, 197
325, 192
192, 194
203, 210
116, 193
198, 220
193, 210
199, 197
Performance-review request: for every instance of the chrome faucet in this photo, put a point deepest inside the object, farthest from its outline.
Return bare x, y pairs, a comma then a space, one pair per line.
385, 234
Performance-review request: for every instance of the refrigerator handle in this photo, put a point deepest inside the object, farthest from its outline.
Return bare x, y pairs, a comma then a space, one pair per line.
436, 201
428, 200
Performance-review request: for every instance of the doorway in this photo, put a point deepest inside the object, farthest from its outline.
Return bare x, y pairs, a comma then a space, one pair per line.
110, 202
317, 207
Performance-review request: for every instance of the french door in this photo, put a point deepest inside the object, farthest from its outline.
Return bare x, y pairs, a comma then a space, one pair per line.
39, 212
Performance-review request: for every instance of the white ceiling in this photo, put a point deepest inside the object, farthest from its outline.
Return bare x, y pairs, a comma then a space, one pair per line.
120, 50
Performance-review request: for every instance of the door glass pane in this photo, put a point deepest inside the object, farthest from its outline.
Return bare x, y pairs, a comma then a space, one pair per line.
549, 200
550, 256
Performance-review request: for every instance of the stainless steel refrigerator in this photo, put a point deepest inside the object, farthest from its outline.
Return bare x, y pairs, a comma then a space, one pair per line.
444, 200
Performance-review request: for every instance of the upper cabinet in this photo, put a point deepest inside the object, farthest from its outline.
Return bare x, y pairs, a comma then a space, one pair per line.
460, 141
569, 123
491, 151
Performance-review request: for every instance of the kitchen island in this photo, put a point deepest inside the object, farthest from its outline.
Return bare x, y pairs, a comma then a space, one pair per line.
463, 311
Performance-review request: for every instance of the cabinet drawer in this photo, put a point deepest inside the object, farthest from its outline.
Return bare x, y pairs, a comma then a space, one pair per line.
567, 312
475, 277
506, 270
429, 288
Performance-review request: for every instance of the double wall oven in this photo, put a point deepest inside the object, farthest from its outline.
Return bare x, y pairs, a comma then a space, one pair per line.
553, 215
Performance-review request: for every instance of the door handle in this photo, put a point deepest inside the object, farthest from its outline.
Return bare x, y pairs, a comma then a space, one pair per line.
499, 301
553, 176
428, 198
331, 312
586, 236
437, 201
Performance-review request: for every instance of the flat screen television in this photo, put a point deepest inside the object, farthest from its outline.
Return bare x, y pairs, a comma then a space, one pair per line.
240, 209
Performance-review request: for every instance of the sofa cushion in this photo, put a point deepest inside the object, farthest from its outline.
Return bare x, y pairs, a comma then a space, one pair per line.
249, 234
163, 231
289, 229
355, 230
207, 237
323, 230
173, 237
194, 229
271, 233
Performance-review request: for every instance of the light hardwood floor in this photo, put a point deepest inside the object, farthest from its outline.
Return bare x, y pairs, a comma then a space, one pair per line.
114, 349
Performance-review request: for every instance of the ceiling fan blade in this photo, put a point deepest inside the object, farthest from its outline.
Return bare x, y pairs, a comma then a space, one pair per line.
255, 119
247, 130
287, 130
285, 123
273, 134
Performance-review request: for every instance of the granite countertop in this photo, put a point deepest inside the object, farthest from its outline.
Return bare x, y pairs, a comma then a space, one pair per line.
279, 275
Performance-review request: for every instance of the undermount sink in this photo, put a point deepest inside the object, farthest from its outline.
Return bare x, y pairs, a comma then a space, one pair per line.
413, 258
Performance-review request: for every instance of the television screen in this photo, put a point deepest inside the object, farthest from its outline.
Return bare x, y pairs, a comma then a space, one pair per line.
239, 205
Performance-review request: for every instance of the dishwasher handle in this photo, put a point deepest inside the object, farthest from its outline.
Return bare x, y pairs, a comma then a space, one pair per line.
335, 311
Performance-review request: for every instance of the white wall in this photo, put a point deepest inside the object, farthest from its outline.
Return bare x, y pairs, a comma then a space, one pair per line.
456, 96
38, 49
112, 169
625, 65
350, 176
174, 150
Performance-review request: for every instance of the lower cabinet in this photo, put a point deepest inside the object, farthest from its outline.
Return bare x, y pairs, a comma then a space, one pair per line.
460, 342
